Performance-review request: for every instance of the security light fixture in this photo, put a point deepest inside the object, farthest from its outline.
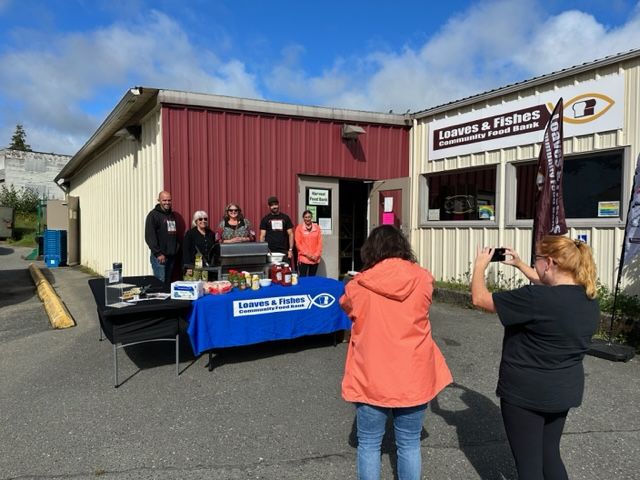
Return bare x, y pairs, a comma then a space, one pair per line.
131, 132
351, 132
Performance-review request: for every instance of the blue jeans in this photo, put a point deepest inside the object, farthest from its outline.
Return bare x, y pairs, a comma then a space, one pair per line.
162, 271
407, 426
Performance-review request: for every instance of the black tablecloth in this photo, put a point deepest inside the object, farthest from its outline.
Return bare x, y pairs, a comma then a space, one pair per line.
144, 320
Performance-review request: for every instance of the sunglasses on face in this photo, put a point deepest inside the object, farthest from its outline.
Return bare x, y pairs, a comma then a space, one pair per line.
232, 210
203, 219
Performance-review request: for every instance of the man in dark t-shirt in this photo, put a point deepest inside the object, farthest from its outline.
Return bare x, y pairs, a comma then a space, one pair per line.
276, 229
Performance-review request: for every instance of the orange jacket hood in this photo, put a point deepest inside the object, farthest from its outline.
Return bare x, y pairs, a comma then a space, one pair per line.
392, 360
391, 278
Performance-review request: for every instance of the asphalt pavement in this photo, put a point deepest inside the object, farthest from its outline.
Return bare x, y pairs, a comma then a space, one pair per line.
269, 411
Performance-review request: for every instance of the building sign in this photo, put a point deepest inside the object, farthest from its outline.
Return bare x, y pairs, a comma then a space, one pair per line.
498, 126
593, 106
318, 196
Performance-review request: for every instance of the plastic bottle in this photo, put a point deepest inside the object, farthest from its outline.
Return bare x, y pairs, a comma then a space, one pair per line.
279, 274
286, 275
198, 262
255, 282
272, 272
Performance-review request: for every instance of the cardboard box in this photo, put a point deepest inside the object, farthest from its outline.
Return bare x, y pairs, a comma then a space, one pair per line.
186, 290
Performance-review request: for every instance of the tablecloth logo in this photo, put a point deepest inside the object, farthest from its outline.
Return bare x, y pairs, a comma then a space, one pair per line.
258, 306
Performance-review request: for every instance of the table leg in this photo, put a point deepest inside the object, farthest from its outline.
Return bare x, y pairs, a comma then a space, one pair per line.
177, 354
115, 366
210, 361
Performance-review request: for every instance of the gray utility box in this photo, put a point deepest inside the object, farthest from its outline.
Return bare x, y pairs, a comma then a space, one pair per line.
7, 219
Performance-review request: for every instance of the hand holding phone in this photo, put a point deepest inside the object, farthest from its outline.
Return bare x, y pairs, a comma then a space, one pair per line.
498, 255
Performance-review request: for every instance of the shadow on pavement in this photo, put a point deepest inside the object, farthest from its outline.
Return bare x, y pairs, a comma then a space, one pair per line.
16, 286
260, 351
21, 311
479, 431
6, 251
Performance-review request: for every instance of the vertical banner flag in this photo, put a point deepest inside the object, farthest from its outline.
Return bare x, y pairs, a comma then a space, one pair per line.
549, 214
632, 232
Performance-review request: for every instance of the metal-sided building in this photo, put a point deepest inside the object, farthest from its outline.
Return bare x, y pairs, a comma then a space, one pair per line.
209, 150
474, 165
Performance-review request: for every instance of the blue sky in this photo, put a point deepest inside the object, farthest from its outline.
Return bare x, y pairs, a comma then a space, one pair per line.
64, 64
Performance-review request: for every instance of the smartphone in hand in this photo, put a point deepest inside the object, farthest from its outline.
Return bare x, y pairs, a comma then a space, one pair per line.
498, 255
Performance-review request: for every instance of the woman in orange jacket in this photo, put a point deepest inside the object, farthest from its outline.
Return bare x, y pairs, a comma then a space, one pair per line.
308, 240
393, 365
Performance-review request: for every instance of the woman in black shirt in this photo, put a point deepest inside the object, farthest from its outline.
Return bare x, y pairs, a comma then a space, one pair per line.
199, 238
548, 330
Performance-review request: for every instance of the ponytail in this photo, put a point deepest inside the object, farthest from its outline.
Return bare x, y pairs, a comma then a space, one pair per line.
586, 274
573, 257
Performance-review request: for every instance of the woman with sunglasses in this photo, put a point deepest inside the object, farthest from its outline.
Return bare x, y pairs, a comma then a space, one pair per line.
234, 228
548, 329
199, 238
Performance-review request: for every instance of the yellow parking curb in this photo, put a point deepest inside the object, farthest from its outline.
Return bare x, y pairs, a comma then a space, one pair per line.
59, 316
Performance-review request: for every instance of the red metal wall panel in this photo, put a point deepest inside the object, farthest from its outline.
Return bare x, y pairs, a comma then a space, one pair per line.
214, 157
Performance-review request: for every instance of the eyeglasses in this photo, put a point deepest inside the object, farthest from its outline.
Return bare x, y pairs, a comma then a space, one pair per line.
203, 219
231, 210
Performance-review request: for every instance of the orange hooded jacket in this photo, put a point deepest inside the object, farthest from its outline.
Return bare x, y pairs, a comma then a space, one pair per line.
392, 360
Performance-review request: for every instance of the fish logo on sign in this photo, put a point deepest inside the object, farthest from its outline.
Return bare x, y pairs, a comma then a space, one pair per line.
323, 300
585, 108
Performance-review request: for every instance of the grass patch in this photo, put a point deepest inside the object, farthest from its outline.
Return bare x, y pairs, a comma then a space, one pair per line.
88, 271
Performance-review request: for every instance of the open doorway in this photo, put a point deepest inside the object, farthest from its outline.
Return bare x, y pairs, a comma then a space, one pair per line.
353, 211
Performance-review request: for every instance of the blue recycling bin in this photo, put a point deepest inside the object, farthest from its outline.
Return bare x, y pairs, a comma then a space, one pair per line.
55, 248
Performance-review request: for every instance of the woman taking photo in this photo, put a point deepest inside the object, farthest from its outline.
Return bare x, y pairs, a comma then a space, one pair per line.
548, 330
200, 238
308, 241
234, 228
393, 366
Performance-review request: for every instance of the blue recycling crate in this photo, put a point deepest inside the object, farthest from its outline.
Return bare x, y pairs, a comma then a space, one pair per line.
55, 245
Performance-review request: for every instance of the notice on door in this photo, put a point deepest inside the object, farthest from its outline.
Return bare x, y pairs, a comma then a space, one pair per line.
318, 196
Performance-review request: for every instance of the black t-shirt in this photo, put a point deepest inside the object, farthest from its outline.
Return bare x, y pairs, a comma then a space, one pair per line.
276, 227
548, 330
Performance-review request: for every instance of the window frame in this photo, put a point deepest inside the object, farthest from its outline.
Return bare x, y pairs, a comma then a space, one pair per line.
423, 200
511, 193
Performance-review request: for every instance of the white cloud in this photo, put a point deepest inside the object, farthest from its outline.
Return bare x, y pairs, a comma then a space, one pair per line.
575, 37
490, 45
48, 88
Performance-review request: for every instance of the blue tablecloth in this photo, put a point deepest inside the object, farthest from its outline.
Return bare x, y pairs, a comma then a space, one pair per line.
244, 317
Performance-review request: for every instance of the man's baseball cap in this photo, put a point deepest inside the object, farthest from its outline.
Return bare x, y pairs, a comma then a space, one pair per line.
272, 200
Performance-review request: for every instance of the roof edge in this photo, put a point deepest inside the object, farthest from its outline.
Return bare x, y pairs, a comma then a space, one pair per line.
277, 108
535, 81
130, 104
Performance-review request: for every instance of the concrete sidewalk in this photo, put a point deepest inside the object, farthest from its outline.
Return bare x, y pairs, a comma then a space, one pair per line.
270, 411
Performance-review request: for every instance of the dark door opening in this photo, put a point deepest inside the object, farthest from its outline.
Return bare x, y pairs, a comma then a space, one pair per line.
354, 198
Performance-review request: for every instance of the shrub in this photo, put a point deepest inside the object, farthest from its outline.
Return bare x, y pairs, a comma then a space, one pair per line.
23, 200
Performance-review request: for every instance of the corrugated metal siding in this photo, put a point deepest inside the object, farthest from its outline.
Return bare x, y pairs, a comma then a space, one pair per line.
449, 251
117, 190
213, 157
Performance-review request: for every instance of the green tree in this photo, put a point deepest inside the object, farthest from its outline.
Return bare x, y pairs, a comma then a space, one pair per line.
22, 200
19, 140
